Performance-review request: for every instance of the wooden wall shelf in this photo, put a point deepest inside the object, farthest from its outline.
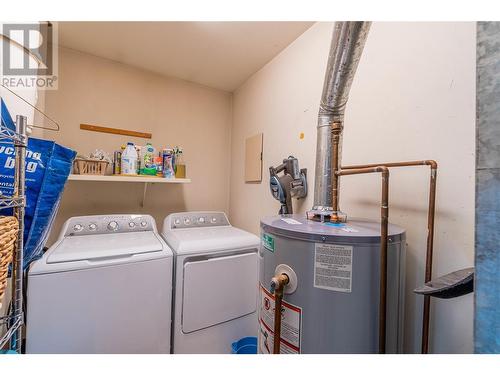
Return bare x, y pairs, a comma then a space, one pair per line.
113, 178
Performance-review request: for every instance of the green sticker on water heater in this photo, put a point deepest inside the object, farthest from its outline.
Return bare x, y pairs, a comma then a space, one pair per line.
268, 242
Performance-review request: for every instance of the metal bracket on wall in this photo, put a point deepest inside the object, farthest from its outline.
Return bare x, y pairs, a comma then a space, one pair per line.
145, 190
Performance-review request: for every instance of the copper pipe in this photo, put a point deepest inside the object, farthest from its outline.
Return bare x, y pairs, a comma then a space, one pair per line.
336, 134
431, 163
428, 257
277, 285
430, 235
384, 233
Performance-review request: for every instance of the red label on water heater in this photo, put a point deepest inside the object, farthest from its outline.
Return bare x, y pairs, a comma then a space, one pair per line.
291, 321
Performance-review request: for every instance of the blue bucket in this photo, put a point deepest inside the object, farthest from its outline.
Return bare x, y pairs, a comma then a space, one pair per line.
246, 345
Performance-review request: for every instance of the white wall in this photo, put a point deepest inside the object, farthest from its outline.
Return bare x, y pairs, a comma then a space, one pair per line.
98, 91
413, 98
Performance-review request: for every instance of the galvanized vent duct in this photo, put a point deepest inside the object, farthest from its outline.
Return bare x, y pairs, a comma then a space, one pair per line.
347, 45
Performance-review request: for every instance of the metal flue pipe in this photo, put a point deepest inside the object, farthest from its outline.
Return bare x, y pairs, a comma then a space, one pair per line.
347, 45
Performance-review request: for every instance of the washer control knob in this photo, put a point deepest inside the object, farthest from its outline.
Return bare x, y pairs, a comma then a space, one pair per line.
213, 219
201, 220
78, 227
113, 225
131, 224
92, 226
177, 221
187, 221
144, 224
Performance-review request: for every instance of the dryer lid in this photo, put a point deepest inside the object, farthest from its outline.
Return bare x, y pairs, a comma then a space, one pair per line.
203, 240
98, 246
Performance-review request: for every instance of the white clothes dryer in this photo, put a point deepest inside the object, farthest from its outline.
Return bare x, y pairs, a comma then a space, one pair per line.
216, 282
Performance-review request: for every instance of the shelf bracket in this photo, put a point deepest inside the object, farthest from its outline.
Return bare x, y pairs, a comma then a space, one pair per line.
144, 194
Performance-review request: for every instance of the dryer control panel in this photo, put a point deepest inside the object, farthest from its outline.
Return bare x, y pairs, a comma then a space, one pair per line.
203, 219
104, 224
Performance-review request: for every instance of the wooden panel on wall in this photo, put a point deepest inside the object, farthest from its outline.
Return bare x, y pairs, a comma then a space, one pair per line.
253, 158
103, 129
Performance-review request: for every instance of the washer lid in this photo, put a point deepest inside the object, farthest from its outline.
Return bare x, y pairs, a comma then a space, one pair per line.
95, 246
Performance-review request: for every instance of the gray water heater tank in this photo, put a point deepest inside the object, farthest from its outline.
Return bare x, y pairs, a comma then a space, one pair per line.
331, 303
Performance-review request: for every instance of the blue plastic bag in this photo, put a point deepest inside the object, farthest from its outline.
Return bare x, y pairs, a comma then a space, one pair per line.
48, 166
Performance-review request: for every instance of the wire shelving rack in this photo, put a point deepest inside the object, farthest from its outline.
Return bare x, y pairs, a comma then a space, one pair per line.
12, 323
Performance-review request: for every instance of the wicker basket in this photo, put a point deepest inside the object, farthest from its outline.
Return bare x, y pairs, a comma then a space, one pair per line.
83, 166
8, 236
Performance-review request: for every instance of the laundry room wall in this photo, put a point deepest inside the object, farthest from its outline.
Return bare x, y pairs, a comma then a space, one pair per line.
413, 98
94, 90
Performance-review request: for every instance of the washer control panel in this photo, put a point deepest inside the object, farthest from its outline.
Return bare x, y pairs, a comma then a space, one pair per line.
197, 220
103, 224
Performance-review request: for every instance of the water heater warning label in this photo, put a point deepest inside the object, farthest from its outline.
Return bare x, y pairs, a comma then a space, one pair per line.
291, 316
268, 242
333, 267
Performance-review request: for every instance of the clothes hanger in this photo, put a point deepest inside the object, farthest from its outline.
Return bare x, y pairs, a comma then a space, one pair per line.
57, 126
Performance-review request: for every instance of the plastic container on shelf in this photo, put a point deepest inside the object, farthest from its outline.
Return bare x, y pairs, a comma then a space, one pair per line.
117, 161
168, 165
129, 160
138, 150
147, 156
179, 164
159, 166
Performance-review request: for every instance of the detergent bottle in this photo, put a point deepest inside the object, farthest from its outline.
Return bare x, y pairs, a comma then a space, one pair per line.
148, 166
129, 160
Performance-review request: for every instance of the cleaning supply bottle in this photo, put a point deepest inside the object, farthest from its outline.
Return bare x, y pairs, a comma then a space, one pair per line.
168, 166
148, 166
179, 164
138, 150
159, 166
129, 160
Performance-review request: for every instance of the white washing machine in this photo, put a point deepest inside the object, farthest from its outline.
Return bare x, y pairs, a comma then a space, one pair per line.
216, 278
105, 286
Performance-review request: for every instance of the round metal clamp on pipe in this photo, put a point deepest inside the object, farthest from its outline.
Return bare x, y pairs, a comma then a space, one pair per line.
278, 284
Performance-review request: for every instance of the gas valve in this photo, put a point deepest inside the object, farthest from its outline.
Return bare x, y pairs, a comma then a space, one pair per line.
293, 183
